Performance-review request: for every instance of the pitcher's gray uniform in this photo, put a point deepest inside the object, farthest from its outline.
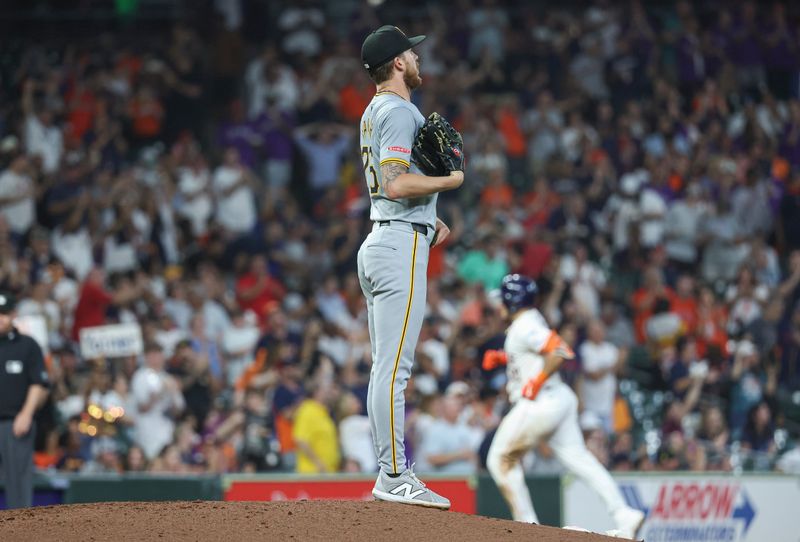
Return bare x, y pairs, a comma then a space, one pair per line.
392, 266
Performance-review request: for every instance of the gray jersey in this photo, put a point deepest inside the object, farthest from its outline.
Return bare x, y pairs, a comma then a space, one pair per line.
388, 128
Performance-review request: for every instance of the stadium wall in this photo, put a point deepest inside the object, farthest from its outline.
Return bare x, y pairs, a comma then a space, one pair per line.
681, 506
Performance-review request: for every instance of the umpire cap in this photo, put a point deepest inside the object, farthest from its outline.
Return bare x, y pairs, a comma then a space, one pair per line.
518, 292
385, 43
7, 302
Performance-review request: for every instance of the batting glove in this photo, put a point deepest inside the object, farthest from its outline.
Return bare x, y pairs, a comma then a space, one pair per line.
493, 359
533, 386
558, 346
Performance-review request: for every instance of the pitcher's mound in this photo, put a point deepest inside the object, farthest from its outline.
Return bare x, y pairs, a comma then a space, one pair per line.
264, 521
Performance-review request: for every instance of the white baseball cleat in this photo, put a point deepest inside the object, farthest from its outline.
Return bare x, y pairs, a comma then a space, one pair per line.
407, 489
629, 521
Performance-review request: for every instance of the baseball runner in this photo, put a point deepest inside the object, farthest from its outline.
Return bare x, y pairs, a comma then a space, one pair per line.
407, 162
543, 408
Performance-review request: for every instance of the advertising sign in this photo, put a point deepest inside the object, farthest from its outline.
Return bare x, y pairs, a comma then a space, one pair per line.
112, 341
691, 508
459, 491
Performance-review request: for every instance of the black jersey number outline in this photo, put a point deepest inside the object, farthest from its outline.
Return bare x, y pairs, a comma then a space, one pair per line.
366, 158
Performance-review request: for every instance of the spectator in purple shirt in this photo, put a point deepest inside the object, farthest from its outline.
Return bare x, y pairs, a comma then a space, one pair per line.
745, 50
691, 64
241, 134
780, 53
274, 126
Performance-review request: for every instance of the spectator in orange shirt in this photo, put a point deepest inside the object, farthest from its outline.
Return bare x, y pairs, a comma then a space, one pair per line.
539, 203
684, 304
644, 299
146, 113
82, 104
508, 116
508, 124
355, 95
497, 193
711, 321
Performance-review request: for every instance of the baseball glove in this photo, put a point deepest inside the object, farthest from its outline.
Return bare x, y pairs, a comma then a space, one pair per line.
438, 148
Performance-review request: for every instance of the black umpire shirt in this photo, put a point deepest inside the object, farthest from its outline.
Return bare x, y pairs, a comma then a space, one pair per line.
21, 365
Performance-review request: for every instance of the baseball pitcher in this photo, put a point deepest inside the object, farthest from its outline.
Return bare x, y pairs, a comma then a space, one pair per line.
407, 162
543, 408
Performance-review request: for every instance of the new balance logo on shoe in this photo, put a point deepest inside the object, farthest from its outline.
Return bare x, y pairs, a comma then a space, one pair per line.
406, 489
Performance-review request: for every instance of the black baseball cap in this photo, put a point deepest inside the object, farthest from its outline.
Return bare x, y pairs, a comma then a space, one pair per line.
385, 43
7, 302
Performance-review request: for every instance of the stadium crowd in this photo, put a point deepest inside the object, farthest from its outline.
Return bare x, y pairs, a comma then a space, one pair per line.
642, 164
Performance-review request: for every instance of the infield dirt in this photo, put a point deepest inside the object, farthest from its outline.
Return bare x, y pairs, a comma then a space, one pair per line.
266, 521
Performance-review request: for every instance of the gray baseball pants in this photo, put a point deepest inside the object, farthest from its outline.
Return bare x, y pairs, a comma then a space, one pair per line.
392, 267
16, 465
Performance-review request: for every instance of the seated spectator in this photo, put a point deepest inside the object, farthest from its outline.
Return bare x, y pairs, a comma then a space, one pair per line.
75, 446
714, 436
135, 460
260, 449
169, 461
759, 431
355, 434
595, 436
687, 361
622, 453
447, 445
751, 382
677, 410
672, 453
105, 457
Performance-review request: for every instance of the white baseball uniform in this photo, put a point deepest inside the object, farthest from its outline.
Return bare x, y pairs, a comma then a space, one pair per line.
552, 416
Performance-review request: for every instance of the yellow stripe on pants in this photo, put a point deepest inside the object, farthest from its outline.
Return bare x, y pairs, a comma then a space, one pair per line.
400, 350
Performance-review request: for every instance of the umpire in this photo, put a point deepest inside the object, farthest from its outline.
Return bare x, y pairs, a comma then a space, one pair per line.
23, 389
